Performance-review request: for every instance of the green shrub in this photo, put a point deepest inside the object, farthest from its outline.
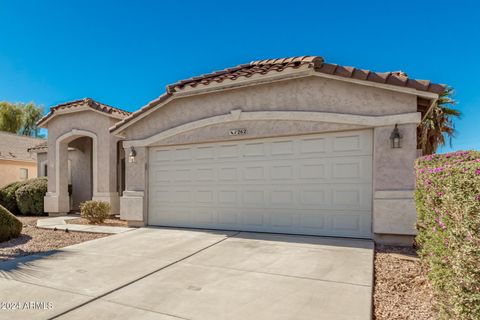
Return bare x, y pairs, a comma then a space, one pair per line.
7, 196
448, 206
10, 226
30, 196
95, 211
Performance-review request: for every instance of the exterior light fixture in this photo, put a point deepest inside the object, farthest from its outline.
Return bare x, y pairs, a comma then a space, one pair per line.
132, 155
395, 138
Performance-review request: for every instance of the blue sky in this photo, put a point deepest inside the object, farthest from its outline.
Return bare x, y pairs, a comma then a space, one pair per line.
124, 53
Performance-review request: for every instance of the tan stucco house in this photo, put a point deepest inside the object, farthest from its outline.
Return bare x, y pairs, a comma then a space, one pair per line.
292, 145
16, 162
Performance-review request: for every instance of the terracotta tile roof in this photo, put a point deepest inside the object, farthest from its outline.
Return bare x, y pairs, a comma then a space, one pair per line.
15, 147
263, 67
90, 103
42, 147
150, 105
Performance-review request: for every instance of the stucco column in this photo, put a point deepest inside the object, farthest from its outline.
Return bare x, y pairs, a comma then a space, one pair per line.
394, 211
133, 202
106, 176
56, 201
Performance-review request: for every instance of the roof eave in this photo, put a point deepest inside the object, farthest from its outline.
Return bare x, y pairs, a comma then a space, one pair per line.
225, 85
54, 113
386, 86
252, 81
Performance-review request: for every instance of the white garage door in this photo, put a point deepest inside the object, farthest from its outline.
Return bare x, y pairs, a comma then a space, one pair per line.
313, 184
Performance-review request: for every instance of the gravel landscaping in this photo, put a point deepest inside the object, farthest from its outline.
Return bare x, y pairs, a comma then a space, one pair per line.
112, 222
34, 240
401, 287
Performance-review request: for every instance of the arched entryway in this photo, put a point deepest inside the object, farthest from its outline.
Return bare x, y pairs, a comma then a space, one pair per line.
78, 132
75, 169
80, 173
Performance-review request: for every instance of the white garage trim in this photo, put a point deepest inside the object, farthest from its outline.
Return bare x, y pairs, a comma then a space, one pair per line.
238, 115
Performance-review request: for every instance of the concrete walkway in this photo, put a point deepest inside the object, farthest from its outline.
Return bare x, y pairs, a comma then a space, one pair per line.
60, 223
161, 273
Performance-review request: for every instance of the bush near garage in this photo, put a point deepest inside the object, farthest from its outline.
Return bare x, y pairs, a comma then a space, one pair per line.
8, 198
448, 207
30, 197
10, 226
95, 211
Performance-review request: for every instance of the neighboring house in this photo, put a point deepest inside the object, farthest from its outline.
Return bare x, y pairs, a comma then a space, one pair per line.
291, 145
16, 163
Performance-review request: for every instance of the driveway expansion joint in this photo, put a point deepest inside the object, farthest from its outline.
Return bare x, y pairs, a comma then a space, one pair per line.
142, 277
278, 274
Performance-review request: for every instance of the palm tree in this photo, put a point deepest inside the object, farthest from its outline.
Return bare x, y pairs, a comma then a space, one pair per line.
437, 125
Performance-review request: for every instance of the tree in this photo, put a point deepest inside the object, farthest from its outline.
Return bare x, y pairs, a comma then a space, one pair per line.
31, 114
20, 118
437, 125
11, 117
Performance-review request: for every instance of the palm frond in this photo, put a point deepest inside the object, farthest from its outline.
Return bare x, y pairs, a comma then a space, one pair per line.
438, 125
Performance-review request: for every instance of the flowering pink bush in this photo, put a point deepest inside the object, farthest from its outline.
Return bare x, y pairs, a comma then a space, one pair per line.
448, 207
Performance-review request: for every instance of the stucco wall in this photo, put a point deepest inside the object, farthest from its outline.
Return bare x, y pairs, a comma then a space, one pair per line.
306, 94
106, 151
393, 168
257, 129
10, 171
95, 123
41, 161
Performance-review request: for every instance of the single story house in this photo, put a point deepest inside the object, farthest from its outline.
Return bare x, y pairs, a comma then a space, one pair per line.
293, 145
16, 163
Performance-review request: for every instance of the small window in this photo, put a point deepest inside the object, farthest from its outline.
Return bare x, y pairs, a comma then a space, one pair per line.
45, 170
23, 174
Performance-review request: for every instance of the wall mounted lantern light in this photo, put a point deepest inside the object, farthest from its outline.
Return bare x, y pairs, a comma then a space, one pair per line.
395, 138
132, 155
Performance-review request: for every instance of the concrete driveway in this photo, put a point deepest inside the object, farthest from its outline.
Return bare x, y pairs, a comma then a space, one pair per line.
160, 273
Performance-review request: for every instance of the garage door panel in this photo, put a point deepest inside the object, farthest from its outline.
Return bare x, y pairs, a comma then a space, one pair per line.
313, 171
253, 218
282, 148
228, 218
256, 149
228, 197
316, 184
284, 198
204, 216
315, 196
204, 153
336, 223
227, 151
204, 174
253, 198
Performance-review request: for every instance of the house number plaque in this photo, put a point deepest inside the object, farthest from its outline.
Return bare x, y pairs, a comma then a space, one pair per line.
237, 132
